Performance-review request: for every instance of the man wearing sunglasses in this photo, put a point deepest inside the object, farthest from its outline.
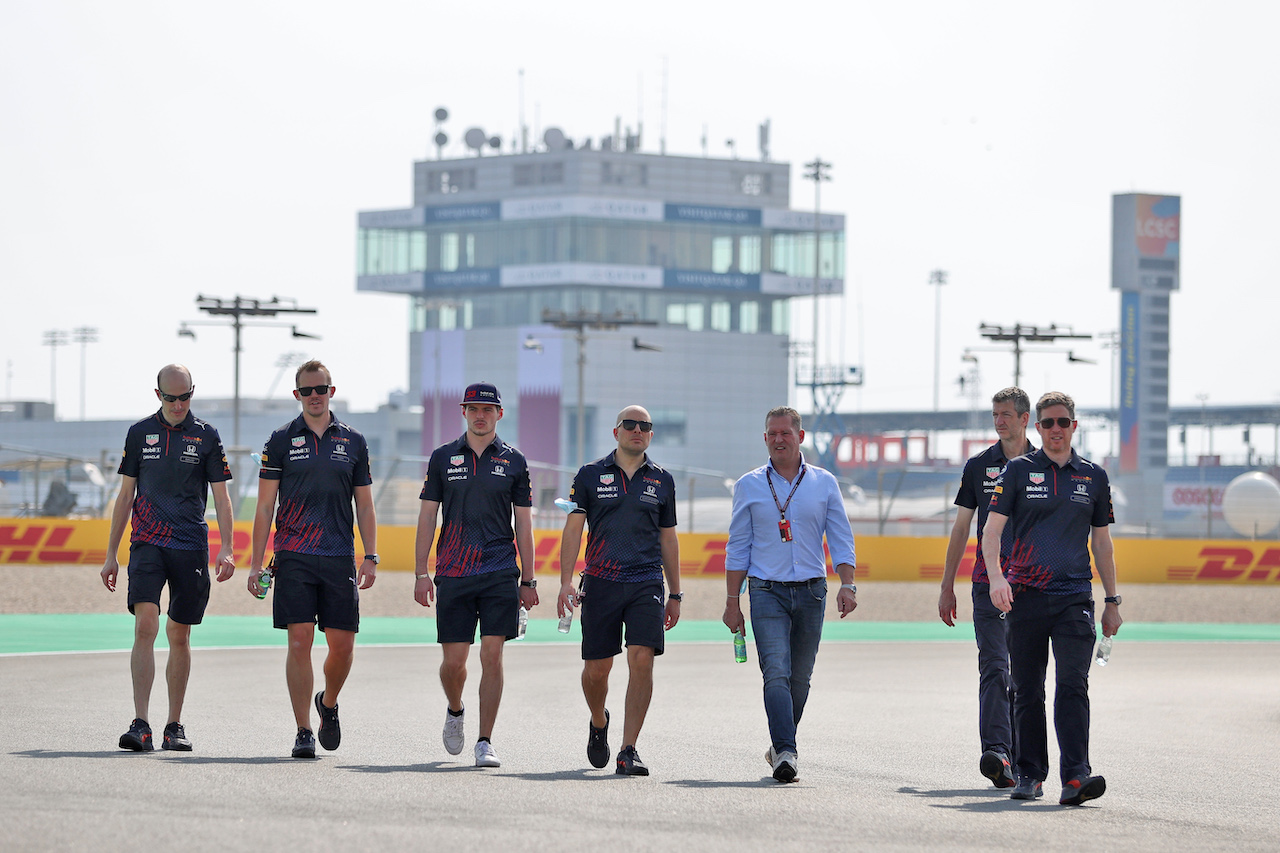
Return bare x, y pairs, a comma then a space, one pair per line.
1010, 411
482, 483
781, 513
629, 504
1056, 502
316, 466
169, 463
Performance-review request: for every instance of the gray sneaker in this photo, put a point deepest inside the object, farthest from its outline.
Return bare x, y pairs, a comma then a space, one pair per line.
785, 766
453, 735
485, 756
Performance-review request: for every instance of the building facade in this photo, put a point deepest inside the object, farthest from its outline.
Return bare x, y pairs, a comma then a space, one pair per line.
581, 281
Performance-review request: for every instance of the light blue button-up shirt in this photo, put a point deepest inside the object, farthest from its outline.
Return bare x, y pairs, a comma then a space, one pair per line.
755, 545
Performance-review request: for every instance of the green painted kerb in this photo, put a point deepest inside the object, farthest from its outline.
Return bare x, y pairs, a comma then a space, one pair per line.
93, 632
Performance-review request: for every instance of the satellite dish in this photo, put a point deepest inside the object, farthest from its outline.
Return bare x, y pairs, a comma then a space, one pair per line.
442, 138
441, 114
475, 138
554, 138
495, 142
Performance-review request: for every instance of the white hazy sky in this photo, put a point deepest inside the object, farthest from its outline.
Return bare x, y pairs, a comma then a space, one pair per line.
153, 151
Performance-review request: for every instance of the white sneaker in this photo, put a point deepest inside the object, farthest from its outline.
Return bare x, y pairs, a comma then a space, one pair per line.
485, 756
785, 766
453, 736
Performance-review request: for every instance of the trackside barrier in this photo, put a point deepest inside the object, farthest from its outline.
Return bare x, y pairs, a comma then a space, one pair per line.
27, 541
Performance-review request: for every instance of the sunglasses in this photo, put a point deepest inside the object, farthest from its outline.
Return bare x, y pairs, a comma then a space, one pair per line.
629, 425
1048, 423
322, 390
170, 398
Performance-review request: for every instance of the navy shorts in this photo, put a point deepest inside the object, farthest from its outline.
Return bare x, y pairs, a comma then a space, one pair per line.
608, 606
315, 589
492, 598
186, 572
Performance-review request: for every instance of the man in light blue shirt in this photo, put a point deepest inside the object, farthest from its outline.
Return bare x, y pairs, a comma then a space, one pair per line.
780, 513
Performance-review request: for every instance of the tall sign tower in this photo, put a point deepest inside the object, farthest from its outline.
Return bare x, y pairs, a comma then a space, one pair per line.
1146, 235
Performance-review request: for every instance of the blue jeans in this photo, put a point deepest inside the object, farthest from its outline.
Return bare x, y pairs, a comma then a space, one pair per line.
787, 622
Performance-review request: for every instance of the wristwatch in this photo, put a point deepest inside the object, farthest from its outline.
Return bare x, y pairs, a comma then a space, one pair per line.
373, 557
676, 596
532, 584
1112, 599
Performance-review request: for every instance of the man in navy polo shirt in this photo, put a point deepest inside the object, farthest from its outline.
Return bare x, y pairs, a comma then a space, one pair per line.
1010, 411
316, 466
629, 504
169, 462
481, 481
1055, 501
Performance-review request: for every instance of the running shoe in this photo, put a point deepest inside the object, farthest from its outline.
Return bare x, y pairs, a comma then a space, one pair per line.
598, 742
304, 746
138, 738
1028, 789
485, 756
175, 738
1081, 789
330, 732
995, 766
785, 766
629, 763
452, 735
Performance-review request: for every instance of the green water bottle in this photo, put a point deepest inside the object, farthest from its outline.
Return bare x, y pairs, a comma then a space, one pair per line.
264, 582
739, 647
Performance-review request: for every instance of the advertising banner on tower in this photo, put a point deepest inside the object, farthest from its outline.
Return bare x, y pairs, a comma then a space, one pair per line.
1146, 235
1130, 362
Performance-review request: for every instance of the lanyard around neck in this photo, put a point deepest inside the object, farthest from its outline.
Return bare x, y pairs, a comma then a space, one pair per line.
782, 508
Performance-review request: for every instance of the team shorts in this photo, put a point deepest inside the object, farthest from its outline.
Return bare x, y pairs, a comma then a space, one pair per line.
492, 598
315, 589
186, 572
608, 606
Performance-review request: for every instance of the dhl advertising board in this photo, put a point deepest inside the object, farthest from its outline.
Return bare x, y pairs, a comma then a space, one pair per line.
880, 558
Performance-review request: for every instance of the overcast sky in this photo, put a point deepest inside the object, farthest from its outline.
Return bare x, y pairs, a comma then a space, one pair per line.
153, 151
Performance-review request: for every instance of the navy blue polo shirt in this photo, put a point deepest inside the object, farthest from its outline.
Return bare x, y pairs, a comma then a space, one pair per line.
977, 485
318, 476
1052, 511
623, 518
174, 466
476, 495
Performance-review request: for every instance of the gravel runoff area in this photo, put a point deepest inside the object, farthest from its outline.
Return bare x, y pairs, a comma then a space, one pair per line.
79, 589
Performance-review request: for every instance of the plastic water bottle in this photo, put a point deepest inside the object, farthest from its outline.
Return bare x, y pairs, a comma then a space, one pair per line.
567, 619
1103, 656
739, 647
566, 505
264, 583
522, 623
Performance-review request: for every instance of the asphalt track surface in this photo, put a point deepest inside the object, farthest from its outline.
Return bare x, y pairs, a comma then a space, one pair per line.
1186, 732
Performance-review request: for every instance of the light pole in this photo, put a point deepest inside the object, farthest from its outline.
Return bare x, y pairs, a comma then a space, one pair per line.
937, 278
237, 308
578, 323
53, 339
818, 171
1018, 333
84, 335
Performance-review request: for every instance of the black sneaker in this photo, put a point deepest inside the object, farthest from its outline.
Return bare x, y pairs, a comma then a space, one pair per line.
330, 732
1028, 789
995, 766
138, 738
598, 743
305, 744
175, 738
629, 763
1082, 788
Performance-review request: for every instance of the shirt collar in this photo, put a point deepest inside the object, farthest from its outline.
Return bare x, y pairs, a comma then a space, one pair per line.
183, 424
299, 424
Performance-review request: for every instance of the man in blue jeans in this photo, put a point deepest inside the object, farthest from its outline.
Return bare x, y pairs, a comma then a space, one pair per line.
780, 513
